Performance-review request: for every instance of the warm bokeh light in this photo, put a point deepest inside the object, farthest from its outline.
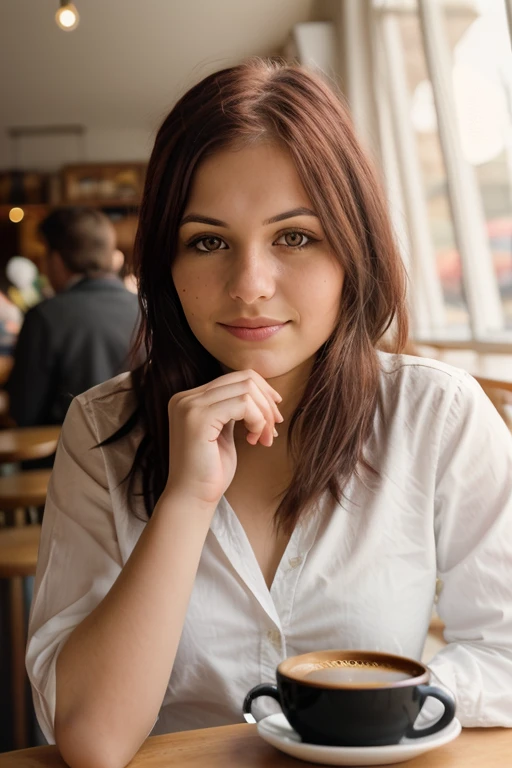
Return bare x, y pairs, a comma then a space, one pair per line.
16, 215
67, 17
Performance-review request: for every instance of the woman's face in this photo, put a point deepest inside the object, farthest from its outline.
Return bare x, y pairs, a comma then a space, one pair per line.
258, 282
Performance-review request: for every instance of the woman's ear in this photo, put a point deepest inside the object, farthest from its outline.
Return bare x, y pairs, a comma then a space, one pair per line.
117, 261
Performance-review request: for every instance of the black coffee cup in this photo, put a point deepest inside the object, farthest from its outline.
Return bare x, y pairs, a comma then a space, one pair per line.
353, 698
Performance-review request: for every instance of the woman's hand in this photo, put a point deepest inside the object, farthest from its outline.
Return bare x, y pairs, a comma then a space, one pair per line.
201, 424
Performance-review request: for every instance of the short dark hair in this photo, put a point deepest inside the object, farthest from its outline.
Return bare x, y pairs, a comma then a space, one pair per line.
82, 237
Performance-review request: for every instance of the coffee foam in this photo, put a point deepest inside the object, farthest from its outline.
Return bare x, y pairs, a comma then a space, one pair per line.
353, 672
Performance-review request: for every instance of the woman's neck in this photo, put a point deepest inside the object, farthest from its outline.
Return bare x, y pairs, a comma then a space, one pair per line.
290, 386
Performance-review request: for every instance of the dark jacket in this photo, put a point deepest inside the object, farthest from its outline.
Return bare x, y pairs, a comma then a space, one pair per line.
67, 344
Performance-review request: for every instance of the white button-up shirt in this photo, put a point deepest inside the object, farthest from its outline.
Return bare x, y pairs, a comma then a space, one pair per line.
359, 575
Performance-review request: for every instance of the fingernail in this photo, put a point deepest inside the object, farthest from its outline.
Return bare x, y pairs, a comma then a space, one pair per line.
275, 433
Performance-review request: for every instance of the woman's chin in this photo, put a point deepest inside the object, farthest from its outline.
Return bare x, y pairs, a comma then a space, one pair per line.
268, 369
293, 371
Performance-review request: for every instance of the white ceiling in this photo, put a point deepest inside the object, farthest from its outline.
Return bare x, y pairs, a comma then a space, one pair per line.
128, 59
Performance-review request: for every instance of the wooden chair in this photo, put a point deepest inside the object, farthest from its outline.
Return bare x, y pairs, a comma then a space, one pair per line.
21, 492
500, 395
6, 363
6, 422
24, 443
18, 559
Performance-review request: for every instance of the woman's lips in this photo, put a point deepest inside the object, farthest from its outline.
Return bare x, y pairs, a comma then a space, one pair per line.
253, 334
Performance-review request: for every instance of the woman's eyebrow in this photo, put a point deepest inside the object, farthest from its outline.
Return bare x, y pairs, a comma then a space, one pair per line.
199, 219
290, 215
196, 217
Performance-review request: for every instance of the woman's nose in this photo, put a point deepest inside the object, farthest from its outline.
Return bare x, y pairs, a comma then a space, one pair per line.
252, 276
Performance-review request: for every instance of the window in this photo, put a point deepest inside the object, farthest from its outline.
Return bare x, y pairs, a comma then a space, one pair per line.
442, 78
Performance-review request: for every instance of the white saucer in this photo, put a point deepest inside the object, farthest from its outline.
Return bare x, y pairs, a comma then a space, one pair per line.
276, 730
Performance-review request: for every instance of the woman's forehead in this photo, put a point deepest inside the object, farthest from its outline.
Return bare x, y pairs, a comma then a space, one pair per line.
261, 175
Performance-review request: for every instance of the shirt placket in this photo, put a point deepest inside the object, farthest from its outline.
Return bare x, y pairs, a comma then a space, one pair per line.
286, 580
231, 537
277, 603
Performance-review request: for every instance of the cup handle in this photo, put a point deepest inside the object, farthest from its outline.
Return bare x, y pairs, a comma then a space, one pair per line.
265, 689
447, 716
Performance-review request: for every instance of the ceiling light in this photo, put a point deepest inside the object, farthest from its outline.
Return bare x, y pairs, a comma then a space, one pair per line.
16, 215
67, 16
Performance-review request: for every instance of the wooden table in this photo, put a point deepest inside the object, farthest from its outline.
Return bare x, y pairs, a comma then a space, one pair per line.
239, 746
18, 559
23, 443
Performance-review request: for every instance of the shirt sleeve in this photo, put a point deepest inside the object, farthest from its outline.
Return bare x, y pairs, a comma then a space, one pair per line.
473, 528
79, 558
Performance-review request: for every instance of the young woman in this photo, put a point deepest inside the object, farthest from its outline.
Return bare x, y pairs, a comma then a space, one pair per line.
267, 483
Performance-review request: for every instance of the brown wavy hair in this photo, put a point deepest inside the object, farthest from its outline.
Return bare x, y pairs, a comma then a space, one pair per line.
270, 100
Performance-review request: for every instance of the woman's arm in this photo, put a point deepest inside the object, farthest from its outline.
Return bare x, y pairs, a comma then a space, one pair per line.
474, 557
109, 636
113, 671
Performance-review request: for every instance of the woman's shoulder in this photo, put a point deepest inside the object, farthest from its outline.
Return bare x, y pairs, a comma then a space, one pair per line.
411, 383
423, 371
108, 389
109, 405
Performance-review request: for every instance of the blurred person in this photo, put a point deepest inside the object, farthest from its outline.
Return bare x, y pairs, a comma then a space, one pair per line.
11, 318
128, 278
25, 290
267, 483
82, 335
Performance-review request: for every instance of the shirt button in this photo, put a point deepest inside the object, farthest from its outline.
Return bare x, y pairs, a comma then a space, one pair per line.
275, 637
294, 562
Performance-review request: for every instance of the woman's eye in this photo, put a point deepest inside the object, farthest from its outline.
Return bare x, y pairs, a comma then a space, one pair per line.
209, 244
293, 240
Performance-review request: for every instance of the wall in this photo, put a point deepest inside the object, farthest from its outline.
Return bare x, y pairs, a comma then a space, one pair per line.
48, 153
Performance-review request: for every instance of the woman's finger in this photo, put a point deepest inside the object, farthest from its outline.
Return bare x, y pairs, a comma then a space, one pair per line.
235, 389
241, 408
235, 376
